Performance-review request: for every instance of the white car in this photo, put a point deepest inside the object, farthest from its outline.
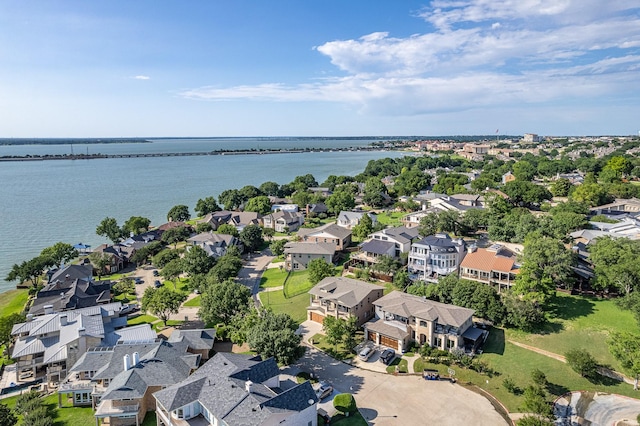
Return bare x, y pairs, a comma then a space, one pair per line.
366, 353
324, 390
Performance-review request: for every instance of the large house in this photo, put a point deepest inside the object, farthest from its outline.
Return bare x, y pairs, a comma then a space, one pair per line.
401, 318
215, 245
54, 341
236, 389
348, 219
237, 219
67, 293
298, 255
119, 381
283, 221
342, 297
495, 265
329, 233
390, 242
435, 256
620, 205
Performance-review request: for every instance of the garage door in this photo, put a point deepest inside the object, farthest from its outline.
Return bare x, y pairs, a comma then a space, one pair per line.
388, 341
316, 317
372, 336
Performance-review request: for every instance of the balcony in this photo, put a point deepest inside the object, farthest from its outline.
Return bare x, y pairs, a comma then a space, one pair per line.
107, 409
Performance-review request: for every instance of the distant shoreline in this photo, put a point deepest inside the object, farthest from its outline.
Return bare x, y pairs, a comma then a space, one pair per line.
187, 154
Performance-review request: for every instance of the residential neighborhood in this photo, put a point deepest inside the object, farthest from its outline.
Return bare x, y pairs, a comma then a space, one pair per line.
522, 288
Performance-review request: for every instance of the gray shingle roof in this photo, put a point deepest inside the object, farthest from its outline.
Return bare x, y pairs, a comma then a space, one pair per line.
330, 229
377, 246
220, 387
406, 305
196, 339
310, 248
346, 291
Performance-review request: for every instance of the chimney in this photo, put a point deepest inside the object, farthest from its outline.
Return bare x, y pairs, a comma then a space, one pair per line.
248, 386
63, 319
127, 362
136, 358
472, 248
48, 309
81, 331
29, 317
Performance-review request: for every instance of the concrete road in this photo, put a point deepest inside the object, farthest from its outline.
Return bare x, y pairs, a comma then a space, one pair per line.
384, 399
251, 272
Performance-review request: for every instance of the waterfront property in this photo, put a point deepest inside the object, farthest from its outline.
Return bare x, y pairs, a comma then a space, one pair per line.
348, 219
342, 297
435, 256
67, 293
50, 343
283, 220
236, 389
390, 242
215, 245
401, 318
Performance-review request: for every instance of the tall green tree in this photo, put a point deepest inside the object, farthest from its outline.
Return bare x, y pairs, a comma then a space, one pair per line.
259, 204
6, 325
625, 347
339, 201
100, 261
197, 261
524, 171
109, 228
616, 263
7, 416
162, 302
319, 269
333, 329
175, 235
136, 225
251, 237
270, 188
172, 270
411, 182
206, 205
59, 252
179, 213
231, 199
226, 267
363, 228
275, 336
374, 191
277, 247
222, 301
229, 229
546, 264
248, 192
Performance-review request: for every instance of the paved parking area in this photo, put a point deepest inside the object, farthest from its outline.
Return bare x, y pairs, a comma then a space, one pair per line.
385, 399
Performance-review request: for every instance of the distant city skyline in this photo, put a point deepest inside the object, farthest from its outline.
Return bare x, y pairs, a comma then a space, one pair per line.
331, 68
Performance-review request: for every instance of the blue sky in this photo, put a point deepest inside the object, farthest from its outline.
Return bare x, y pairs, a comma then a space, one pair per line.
318, 68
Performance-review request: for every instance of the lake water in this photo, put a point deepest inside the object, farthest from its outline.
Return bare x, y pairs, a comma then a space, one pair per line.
43, 202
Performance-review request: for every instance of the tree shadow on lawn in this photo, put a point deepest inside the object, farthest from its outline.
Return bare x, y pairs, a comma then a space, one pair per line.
569, 308
495, 342
558, 390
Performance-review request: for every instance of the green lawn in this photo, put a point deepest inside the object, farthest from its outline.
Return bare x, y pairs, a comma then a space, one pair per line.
336, 351
142, 319
273, 277
160, 325
13, 301
401, 363
517, 363
354, 419
582, 322
391, 218
298, 283
295, 306
195, 302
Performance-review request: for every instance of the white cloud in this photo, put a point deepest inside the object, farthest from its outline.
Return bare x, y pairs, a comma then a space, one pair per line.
539, 51
142, 77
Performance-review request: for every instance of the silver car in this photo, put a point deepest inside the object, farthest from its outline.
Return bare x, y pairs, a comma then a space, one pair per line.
324, 390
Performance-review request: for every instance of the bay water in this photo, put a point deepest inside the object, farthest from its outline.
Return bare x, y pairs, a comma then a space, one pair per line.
43, 202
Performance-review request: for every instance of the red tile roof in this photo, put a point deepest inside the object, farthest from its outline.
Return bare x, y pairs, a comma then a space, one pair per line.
486, 260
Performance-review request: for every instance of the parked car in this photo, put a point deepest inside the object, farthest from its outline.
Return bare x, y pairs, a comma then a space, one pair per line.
127, 309
324, 390
156, 273
387, 356
366, 353
138, 280
157, 283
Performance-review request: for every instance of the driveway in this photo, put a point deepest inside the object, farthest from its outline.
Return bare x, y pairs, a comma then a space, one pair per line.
384, 399
252, 270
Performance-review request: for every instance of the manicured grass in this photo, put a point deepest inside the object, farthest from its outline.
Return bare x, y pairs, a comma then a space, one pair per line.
295, 306
336, 351
517, 363
160, 325
401, 363
391, 218
273, 277
297, 283
142, 319
195, 302
13, 301
582, 322
354, 419
67, 415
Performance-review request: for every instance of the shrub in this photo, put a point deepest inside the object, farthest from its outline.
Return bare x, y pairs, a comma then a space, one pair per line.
425, 350
539, 378
582, 362
345, 403
509, 385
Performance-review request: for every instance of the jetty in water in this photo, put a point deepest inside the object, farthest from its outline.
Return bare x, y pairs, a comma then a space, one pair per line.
185, 154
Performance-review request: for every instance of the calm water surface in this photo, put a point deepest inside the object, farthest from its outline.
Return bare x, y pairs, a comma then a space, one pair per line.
43, 202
